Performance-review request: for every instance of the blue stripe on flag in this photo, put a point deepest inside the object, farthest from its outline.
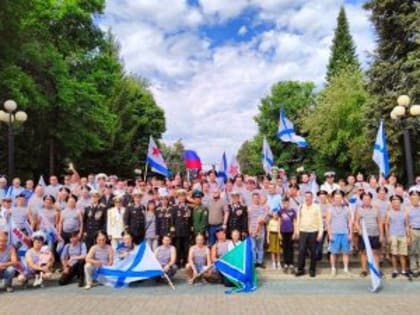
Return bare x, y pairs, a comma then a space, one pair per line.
158, 167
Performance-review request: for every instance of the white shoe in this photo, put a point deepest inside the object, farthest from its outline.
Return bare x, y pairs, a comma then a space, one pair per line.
36, 281
333, 272
88, 286
273, 266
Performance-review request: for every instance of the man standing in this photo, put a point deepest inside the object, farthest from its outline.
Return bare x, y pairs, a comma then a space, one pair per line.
329, 185
309, 230
218, 215
273, 198
135, 217
181, 227
413, 215
94, 219
339, 226
200, 213
257, 218
238, 215
115, 222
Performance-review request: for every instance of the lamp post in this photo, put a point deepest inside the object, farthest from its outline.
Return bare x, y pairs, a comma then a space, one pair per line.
11, 119
401, 113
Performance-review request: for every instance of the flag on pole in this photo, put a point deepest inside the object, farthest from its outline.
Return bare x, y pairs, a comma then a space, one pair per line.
286, 132
234, 168
223, 168
267, 157
155, 159
41, 181
375, 274
237, 265
192, 160
140, 264
380, 151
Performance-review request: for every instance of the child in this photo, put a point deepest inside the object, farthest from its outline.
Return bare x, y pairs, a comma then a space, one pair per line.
273, 240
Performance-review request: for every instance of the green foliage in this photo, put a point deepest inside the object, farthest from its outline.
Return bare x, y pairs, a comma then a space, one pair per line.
295, 98
334, 126
173, 156
395, 70
343, 51
66, 74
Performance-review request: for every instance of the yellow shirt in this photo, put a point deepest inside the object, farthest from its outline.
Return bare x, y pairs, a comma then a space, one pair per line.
273, 225
309, 218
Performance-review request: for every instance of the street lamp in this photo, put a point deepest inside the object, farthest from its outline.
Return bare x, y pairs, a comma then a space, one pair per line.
401, 113
11, 119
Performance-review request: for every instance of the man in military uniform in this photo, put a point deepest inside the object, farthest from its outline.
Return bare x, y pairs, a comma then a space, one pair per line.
135, 217
238, 215
181, 227
200, 213
163, 217
94, 219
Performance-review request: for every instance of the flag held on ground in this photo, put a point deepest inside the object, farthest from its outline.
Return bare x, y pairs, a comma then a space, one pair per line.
237, 266
140, 264
375, 274
286, 132
380, 151
155, 159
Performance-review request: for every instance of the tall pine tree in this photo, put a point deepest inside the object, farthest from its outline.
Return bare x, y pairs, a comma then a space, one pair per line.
395, 70
343, 50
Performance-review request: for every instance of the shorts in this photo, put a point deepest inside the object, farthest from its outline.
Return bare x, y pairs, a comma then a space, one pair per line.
399, 245
340, 244
373, 240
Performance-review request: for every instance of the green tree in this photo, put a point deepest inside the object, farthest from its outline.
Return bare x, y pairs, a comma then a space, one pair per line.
395, 70
343, 50
296, 98
334, 125
173, 156
249, 156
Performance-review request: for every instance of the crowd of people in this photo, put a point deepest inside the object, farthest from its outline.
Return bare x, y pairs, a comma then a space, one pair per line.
84, 223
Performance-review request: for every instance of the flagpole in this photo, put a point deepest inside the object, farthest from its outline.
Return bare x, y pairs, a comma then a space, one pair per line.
145, 171
169, 281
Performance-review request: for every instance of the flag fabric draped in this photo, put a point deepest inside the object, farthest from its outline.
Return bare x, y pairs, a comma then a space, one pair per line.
380, 151
192, 160
237, 266
140, 264
155, 159
286, 132
267, 157
234, 169
41, 181
375, 274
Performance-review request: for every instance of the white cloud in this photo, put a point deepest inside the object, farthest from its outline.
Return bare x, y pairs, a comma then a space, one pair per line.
210, 93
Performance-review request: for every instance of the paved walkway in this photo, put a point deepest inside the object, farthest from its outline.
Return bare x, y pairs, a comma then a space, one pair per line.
300, 296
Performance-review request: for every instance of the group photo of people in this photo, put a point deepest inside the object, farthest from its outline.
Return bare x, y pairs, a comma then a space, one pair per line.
70, 227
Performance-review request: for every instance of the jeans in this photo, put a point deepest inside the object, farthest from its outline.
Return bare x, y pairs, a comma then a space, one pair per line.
307, 241
89, 272
212, 233
258, 248
8, 274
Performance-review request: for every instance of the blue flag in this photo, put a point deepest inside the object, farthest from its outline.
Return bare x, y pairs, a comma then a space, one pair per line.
237, 265
223, 168
267, 157
287, 132
380, 151
140, 264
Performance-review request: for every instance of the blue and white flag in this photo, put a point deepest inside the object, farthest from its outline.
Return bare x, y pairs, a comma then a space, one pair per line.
287, 132
267, 157
140, 264
223, 169
380, 151
155, 159
375, 274
41, 181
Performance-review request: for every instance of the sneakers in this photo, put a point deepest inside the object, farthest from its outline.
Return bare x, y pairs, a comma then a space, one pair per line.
407, 275
394, 274
88, 286
9, 289
273, 266
363, 274
37, 281
333, 272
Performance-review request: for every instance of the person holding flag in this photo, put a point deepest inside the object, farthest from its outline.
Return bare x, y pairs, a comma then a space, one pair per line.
373, 230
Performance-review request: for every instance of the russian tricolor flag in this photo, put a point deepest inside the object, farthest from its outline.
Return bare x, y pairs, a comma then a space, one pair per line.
192, 160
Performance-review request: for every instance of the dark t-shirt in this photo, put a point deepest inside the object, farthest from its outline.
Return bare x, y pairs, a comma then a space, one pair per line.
287, 217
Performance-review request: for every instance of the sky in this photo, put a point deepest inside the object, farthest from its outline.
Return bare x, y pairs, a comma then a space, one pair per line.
209, 62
